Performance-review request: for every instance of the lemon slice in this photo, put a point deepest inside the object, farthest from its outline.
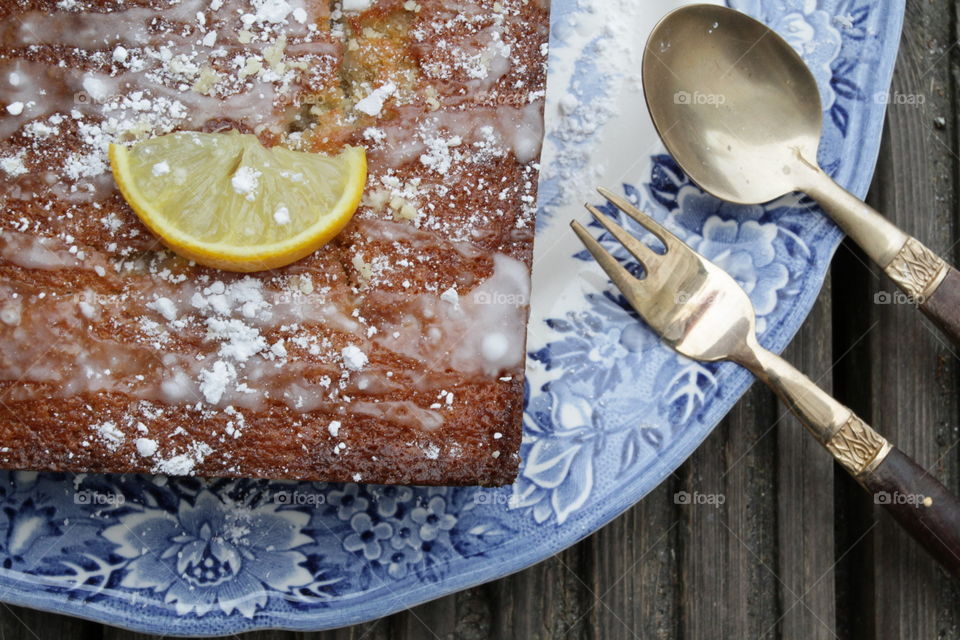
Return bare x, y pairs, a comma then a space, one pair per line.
226, 201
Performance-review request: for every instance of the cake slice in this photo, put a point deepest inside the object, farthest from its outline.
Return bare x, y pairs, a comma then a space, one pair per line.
394, 354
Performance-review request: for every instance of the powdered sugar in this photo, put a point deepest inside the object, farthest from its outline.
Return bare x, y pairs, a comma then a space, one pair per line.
245, 181
111, 436
356, 5
353, 357
214, 381
272, 11
599, 59
13, 166
373, 103
165, 307
451, 297
146, 447
183, 464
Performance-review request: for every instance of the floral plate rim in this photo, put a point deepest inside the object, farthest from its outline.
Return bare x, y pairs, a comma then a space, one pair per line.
119, 606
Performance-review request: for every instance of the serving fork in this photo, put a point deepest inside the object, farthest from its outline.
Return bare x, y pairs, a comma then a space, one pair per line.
700, 311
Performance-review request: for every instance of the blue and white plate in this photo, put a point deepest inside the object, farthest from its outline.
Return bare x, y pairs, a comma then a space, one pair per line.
610, 412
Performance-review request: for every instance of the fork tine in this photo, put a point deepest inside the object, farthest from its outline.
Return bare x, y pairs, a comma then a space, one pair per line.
669, 240
625, 281
647, 256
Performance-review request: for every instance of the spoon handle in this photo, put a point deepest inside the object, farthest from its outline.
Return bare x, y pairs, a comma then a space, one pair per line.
924, 276
942, 303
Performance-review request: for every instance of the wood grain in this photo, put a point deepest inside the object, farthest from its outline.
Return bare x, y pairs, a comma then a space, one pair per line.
805, 491
914, 372
728, 554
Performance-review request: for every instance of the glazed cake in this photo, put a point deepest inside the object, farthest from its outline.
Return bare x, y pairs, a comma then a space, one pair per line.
394, 354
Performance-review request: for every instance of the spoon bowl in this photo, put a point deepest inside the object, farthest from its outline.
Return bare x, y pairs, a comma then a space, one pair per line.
734, 103
740, 112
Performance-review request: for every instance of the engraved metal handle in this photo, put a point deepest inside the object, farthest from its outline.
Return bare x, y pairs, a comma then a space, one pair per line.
931, 283
919, 272
922, 506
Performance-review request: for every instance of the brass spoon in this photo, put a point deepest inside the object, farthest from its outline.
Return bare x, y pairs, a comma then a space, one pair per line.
740, 112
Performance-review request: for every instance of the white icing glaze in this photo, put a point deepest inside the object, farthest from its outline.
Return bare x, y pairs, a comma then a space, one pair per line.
48, 254
405, 234
493, 130
99, 30
132, 26
483, 335
160, 108
35, 252
80, 362
161, 78
356, 5
524, 130
404, 413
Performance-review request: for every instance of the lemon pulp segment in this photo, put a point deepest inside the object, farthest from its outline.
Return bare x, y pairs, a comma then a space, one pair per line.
226, 201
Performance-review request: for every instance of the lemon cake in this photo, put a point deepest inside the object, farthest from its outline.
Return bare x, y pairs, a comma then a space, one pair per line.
393, 354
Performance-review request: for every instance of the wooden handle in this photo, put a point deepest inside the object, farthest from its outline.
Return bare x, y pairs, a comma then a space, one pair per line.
922, 506
943, 305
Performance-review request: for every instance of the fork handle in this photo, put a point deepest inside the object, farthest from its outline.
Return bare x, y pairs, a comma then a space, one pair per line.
922, 506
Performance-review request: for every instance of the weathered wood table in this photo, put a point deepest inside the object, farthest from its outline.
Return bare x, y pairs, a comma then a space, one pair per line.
797, 550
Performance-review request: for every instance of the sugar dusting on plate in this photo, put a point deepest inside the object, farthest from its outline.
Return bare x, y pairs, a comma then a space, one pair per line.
602, 61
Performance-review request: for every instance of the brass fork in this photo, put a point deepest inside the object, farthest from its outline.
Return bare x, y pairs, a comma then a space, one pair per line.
701, 312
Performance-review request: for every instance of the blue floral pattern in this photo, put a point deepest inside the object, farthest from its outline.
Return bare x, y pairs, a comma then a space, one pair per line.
610, 412
206, 555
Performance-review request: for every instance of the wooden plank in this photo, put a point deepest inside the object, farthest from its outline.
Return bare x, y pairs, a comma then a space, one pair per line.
633, 578
430, 621
463, 614
549, 600
373, 630
909, 388
20, 623
805, 487
853, 283
728, 555
113, 633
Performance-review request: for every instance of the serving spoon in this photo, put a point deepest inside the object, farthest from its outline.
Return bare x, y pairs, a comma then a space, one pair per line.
740, 112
